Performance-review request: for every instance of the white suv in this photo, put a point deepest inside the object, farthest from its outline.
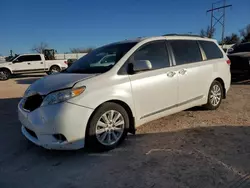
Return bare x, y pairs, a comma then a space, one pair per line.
149, 78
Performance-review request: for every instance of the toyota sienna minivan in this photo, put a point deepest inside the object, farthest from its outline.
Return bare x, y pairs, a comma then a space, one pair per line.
97, 104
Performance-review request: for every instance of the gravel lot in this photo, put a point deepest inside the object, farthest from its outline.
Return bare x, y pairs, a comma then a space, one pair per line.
193, 148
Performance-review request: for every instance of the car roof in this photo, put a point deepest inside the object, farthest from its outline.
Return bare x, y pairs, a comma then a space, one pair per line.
29, 54
169, 36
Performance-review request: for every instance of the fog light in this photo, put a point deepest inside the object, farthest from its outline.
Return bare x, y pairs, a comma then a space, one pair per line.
60, 137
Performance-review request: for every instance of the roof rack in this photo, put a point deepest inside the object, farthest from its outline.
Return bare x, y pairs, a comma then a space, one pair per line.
183, 35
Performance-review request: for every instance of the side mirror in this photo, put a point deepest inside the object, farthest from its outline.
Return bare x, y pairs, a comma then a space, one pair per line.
142, 65
229, 50
15, 61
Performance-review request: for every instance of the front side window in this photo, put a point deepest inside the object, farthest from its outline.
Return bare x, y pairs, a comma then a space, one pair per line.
93, 61
21, 59
186, 51
211, 50
155, 52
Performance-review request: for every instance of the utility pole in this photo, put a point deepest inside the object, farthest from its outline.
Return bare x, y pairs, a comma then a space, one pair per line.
220, 20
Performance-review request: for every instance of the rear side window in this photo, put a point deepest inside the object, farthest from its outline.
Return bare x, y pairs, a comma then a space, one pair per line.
185, 51
211, 50
155, 52
35, 58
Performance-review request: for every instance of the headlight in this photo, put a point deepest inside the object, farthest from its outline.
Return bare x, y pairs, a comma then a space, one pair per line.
62, 95
28, 92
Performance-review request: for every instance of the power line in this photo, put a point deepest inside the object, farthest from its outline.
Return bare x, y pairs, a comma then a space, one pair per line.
220, 20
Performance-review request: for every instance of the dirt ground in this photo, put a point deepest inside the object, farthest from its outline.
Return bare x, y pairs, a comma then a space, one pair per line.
191, 149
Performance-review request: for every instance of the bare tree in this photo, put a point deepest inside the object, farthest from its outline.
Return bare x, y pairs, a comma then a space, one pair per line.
40, 47
209, 32
232, 39
81, 50
245, 34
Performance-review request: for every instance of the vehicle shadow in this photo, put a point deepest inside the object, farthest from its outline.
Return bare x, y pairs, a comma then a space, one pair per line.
216, 156
39, 75
26, 81
27, 78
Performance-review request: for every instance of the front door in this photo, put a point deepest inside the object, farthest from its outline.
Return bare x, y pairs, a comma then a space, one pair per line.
154, 91
20, 65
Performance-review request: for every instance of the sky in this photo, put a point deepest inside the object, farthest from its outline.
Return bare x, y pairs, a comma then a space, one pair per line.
65, 24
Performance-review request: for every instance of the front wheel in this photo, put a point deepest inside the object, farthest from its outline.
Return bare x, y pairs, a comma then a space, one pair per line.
214, 96
108, 127
4, 74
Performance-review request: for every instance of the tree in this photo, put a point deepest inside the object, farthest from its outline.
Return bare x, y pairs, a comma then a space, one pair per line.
232, 39
81, 50
245, 34
40, 47
209, 32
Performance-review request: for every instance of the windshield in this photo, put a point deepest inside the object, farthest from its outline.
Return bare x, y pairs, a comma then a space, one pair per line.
10, 58
101, 59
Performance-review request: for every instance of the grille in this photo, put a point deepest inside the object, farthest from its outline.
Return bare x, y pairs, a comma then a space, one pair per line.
33, 102
32, 133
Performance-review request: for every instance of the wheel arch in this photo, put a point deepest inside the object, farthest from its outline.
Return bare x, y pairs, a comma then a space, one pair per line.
223, 85
125, 106
55, 65
6, 68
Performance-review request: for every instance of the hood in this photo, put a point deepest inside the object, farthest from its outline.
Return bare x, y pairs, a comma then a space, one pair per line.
58, 81
4, 63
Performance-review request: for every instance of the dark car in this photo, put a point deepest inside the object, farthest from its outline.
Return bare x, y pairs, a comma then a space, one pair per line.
239, 55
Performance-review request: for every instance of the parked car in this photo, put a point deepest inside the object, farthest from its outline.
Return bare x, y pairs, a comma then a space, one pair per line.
30, 63
98, 105
239, 55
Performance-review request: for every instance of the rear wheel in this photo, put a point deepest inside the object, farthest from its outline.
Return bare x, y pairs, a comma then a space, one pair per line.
4, 74
108, 127
214, 96
54, 69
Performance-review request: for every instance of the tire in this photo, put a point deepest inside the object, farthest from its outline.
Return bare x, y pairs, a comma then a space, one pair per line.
105, 139
4, 74
215, 96
54, 69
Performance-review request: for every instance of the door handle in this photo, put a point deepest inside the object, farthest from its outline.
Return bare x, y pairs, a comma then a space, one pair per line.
28, 63
182, 71
41, 63
171, 74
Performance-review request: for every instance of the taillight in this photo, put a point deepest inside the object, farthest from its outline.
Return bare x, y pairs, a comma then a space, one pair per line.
66, 62
228, 62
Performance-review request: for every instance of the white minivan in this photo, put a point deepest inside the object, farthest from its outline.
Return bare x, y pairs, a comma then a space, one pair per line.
149, 78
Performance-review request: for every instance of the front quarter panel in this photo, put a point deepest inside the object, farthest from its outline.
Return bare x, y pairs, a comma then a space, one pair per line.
102, 89
7, 66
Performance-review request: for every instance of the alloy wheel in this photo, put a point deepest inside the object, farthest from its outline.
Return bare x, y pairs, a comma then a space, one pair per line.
110, 127
215, 95
3, 75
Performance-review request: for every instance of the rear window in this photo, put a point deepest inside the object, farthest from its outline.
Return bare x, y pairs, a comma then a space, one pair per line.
211, 50
186, 51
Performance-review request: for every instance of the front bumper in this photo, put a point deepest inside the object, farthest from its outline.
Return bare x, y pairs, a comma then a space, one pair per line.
70, 120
